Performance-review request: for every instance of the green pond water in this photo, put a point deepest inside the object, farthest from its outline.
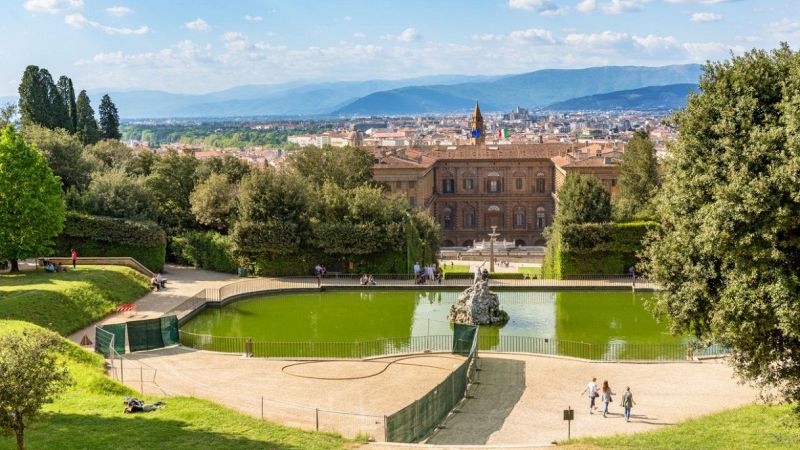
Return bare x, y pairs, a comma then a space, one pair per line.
594, 317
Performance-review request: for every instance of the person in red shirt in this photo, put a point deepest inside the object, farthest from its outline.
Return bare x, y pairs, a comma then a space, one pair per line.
74, 255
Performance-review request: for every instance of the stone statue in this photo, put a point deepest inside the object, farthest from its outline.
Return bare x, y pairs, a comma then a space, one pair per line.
477, 305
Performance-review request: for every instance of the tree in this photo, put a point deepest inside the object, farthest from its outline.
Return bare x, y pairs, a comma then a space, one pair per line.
8, 112
347, 166
36, 97
30, 376
727, 251
63, 152
107, 155
32, 211
109, 119
115, 194
214, 202
172, 181
583, 199
68, 95
638, 176
85, 124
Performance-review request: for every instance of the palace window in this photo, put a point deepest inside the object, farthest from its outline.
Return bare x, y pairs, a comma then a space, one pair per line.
447, 219
541, 219
412, 184
613, 182
493, 186
412, 201
468, 184
519, 219
518, 184
469, 220
540, 182
398, 184
448, 185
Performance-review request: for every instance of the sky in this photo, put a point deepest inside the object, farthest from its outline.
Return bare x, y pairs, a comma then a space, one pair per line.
200, 46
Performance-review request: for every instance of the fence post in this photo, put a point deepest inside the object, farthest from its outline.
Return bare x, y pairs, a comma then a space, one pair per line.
141, 380
262, 407
121, 371
316, 411
385, 430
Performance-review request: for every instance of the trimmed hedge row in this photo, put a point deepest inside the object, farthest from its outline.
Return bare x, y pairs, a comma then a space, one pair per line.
594, 248
205, 249
108, 236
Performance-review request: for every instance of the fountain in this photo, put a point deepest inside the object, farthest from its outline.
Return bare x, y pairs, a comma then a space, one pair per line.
477, 305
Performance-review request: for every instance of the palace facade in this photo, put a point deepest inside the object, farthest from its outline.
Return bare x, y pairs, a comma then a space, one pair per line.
469, 189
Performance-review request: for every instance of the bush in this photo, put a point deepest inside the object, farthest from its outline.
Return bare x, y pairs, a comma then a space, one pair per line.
205, 249
107, 236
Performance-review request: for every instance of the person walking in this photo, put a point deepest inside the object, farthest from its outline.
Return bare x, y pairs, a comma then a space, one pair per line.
627, 403
74, 256
606, 396
591, 389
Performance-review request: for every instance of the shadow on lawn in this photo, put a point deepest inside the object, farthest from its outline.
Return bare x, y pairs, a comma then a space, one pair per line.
144, 430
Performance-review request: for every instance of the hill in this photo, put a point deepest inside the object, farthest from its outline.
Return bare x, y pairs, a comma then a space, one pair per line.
650, 98
532, 90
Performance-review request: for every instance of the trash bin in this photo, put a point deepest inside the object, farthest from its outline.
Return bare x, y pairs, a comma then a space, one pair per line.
242, 271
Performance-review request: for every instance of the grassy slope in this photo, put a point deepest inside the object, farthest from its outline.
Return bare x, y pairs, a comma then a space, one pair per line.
65, 302
748, 427
89, 415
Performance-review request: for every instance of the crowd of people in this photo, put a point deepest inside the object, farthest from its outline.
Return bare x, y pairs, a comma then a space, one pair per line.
430, 272
606, 396
367, 280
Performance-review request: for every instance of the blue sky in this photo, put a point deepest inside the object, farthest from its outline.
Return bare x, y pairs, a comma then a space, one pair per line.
203, 45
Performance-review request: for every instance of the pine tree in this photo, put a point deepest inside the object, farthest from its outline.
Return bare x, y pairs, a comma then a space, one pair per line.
86, 125
109, 119
68, 95
33, 97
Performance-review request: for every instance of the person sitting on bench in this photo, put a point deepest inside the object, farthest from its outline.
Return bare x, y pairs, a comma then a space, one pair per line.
50, 267
154, 284
161, 280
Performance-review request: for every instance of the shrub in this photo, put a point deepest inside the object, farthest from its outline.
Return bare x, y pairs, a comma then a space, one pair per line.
205, 249
107, 236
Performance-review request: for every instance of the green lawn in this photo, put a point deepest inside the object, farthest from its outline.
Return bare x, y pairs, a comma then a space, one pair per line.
89, 416
748, 427
532, 272
457, 268
65, 302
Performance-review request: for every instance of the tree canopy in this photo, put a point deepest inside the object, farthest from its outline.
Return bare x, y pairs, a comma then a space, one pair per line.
728, 249
583, 199
85, 124
31, 202
638, 176
109, 119
347, 166
64, 154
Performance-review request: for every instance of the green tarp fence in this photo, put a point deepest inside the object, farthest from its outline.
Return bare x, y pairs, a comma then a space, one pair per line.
102, 338
152, 333
420, 418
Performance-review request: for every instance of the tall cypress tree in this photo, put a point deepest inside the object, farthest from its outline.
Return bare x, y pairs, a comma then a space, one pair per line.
33, 97
68, 94
86, 128
109, 119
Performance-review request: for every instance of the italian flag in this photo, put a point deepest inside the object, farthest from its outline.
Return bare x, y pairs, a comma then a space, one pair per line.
502, 133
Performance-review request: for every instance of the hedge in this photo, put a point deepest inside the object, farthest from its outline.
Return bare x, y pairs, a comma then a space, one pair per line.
594, 248
205, 249
108, 236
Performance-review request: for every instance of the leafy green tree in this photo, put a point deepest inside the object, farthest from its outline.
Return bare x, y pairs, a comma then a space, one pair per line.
8, 112
39, 99
67, 92
31, 203
214, 202
141, 163
116, 194
86, 125
728, 249
64, 154
347, 167
31, 375
583, 199
172, 181
109, 154
274, 216
109, 119
638, 176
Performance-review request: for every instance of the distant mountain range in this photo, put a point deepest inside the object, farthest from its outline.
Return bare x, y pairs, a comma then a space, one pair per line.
411, 96
650, 98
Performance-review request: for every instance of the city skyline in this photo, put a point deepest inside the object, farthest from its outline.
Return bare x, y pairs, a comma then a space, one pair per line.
199, 47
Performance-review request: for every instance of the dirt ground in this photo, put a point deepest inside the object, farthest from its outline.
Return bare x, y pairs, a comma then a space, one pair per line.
518, 401
352, 396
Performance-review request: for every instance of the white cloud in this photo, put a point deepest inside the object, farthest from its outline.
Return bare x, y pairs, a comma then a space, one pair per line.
348, 19
702, 51
487, 37
359, 35
586, 6
532, 35
52, 6
785, 30
407, 35
604, 38
704, 2
119, 11
198, 25
250, 18
705, 17
623, 6
543, 7
80, 22
652, 42
562, 11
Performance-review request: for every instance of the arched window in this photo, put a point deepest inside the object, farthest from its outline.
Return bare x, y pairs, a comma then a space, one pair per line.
447, 219
494, 182
448, 183
468, 181
467, 243
519, 180
470, 219
540, 184
493, 217
541, 218
519, 243
519, 218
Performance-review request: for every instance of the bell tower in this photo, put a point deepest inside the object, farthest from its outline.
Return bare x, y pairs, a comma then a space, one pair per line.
477, 131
